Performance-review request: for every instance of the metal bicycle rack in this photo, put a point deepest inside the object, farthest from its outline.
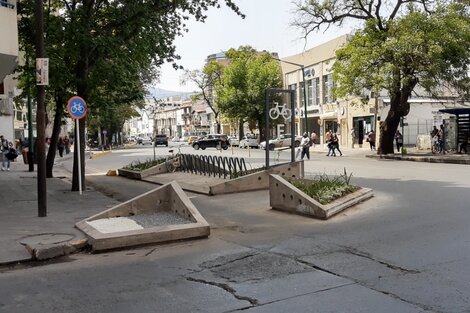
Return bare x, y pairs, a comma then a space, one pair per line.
213, 165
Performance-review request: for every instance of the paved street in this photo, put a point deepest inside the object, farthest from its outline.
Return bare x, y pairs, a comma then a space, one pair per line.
405, 250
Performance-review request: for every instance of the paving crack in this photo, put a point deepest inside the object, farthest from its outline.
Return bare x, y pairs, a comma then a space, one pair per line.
225, 287
150, 252
370, 257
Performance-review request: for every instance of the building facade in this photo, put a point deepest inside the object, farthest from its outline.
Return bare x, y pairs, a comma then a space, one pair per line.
8, 63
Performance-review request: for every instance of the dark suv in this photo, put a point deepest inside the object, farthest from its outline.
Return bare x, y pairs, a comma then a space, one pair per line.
161, 140
211, 141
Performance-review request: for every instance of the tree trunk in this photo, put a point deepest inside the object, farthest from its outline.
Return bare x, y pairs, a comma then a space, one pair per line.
399, 107
56, 128
241, 132
263, 135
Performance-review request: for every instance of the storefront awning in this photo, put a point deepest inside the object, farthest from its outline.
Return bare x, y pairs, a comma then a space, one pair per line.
328, 115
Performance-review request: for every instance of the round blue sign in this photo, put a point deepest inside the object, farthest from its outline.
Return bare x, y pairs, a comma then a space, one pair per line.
77, 107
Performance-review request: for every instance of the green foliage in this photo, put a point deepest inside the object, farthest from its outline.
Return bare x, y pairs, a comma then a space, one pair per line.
241, 90
141, 166
325, 189
107, 51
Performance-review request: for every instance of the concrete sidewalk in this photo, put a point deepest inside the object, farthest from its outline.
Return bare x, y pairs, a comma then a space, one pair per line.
20, 224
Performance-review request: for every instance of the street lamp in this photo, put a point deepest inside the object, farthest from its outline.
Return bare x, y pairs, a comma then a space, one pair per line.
302, 67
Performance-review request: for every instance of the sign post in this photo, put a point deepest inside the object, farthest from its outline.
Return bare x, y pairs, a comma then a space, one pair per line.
77, 109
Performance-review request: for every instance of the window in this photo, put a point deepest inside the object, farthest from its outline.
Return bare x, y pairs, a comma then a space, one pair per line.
293, 87
310, 92
301, 91
317, 91
328, 88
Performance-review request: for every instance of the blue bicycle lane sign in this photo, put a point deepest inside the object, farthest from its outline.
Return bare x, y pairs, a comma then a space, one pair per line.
77, 107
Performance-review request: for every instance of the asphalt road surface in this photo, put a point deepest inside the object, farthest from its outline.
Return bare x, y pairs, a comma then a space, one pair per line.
405, 250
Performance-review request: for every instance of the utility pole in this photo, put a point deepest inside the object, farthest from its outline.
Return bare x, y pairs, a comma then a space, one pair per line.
40, 115
30, 128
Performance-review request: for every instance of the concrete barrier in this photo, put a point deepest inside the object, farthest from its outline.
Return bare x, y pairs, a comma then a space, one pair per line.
258, 180
135, 222
284, 196
157, 169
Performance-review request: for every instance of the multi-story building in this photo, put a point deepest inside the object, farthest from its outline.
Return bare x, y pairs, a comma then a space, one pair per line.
364, 113
8, 62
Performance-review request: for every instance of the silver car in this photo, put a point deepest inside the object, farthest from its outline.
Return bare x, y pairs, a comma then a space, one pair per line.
283, 140
249, 141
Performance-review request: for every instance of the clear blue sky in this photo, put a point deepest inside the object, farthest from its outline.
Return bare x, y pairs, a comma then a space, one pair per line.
266, 27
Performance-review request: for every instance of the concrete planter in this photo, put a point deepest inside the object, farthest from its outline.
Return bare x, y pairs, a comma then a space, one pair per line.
258, 180
117, 227
285, 197
157, 169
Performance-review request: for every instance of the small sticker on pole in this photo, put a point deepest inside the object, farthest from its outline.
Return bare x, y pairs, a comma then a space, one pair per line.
42, 71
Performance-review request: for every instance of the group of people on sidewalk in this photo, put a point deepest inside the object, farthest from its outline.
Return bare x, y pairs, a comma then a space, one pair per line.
9, 153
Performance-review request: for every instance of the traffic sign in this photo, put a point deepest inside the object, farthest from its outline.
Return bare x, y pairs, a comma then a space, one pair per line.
77, 107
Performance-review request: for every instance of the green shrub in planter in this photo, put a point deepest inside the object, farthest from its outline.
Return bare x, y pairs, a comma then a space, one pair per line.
141, 166
326, 189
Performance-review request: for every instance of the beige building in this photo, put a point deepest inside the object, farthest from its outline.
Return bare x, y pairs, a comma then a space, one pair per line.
324, 111
8, 62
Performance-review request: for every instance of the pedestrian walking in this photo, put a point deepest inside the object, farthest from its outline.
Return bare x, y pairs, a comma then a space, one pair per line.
5, 147
305, 144
335, 143
398, 140
314, 138
67, 144
353, 137
371, 139
61, 146
329, 143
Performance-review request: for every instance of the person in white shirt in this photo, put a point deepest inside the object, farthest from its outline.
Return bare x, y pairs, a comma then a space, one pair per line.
305, 145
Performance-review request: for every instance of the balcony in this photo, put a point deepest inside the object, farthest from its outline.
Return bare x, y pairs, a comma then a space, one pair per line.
9, 37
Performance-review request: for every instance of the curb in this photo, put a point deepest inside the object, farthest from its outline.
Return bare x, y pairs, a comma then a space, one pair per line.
99, 154
48, 251
428, 159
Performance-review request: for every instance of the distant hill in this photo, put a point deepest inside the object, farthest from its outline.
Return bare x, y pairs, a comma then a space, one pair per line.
159, 93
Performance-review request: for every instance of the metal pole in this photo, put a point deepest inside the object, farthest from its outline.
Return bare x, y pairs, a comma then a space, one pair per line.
292, 126
402, 135
40, 116
267, 128
305, 98
77, 129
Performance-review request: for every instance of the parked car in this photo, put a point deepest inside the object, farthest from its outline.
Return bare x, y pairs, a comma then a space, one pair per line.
144, 140
249, 141
161, 140
283, 140
191, 139
233, 140
211, 141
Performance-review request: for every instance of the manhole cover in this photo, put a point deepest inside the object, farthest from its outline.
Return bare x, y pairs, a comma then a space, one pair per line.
45, 239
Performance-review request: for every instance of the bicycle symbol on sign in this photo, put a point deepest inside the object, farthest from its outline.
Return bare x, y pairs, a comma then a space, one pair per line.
77, 106
278, 110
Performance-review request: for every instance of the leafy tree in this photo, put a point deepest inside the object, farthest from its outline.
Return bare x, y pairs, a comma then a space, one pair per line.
102, 49
403, 45
205, 80
241, 91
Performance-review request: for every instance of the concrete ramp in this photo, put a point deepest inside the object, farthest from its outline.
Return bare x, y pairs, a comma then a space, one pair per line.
160, 215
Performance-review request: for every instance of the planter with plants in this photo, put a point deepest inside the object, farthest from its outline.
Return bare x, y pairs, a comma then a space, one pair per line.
139, 170
321, 197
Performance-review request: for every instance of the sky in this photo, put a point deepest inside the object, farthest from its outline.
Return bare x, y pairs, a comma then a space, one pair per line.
265, 27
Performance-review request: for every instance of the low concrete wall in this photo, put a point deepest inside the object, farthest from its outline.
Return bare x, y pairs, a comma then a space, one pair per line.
259, 180
169, 197
157, 169
284, 196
